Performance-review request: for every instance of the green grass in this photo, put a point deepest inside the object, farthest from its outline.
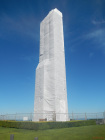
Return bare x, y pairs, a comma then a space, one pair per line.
74, 133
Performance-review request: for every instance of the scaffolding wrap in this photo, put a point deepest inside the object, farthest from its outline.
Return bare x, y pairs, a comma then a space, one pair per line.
50, 84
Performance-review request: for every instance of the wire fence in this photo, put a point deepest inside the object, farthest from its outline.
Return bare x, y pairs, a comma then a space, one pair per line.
71, 116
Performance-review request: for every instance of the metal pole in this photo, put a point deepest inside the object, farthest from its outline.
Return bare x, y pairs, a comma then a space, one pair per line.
12, 137
96, 117
85, 117
104, 117
72, 116
15, 117
77, 117
36, 138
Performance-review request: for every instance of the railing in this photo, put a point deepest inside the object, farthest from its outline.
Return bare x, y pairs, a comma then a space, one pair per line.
46, 116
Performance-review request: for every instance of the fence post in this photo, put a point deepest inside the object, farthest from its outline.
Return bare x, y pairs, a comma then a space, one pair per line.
77, 117
15, 117
36, 138
72, 116
104, 114
96, 117
104, 117
85, 117
12, 137
6, 116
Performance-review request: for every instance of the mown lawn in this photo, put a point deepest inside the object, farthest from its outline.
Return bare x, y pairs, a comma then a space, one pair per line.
91, 132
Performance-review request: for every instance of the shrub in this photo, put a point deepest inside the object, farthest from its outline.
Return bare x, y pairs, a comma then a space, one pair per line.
45, 125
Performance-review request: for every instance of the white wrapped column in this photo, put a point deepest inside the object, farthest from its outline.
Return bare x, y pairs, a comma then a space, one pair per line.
50, 84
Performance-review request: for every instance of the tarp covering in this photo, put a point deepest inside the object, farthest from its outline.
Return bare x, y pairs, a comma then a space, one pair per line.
50, 84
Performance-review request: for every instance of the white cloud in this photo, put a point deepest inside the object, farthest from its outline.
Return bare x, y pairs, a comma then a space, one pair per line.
98, 37
26, 26
98, 22
91, 54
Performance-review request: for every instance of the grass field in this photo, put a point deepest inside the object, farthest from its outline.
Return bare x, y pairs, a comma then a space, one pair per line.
91, 132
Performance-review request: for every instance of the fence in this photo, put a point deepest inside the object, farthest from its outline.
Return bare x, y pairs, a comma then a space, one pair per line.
71, 116
12, 137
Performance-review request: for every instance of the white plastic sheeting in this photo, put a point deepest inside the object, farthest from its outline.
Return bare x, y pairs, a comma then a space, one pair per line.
50, 85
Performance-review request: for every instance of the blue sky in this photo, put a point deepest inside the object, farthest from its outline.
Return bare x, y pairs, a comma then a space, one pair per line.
84, 36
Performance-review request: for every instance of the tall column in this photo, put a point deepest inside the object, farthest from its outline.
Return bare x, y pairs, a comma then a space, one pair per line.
50, 85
